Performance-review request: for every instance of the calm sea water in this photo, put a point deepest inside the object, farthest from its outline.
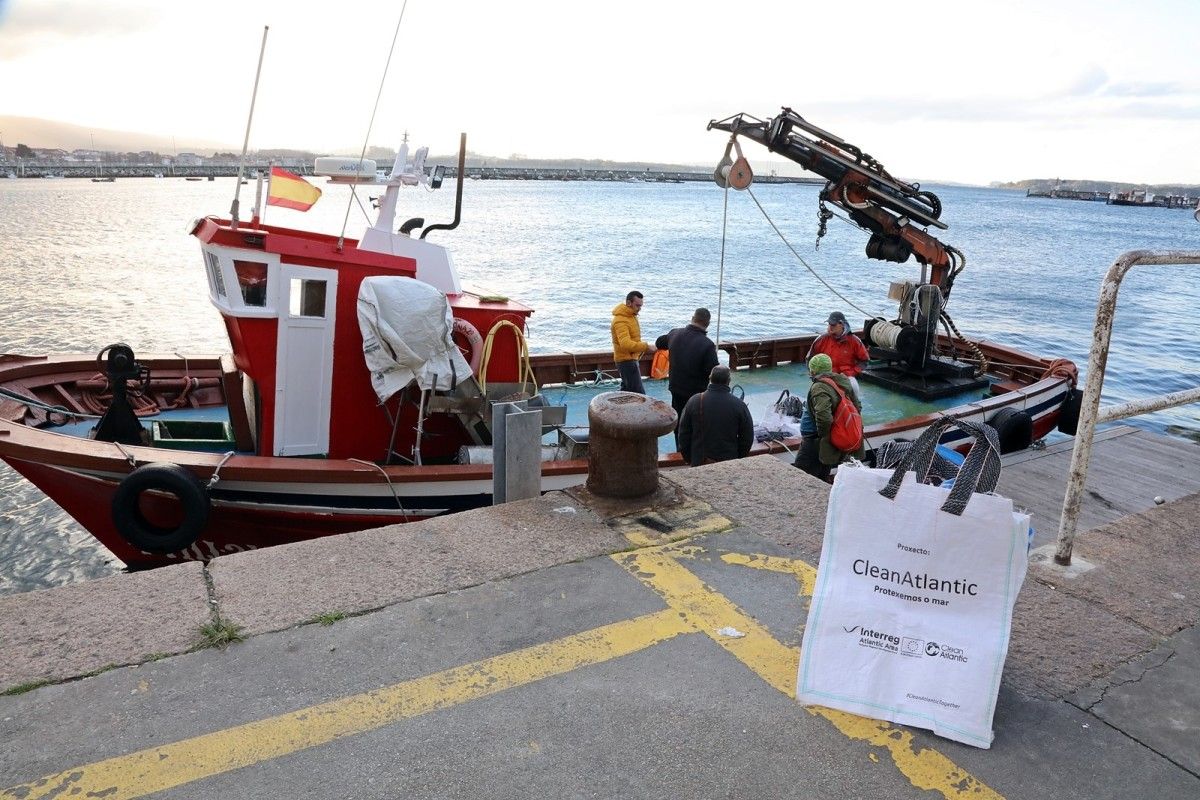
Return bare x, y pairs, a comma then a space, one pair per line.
83, 265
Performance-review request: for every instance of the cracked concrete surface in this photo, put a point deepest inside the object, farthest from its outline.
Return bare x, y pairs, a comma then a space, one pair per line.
1154, 699
1119, 643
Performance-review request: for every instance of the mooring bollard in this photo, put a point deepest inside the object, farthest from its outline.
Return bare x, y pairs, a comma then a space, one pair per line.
623, 443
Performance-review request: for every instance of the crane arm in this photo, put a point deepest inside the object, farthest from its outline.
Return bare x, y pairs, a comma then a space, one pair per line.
858, 184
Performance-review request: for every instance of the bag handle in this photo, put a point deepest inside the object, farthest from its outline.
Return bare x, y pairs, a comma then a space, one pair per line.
979, 473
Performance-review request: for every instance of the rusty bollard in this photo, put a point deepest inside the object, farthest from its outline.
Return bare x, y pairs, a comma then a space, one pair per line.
623, 443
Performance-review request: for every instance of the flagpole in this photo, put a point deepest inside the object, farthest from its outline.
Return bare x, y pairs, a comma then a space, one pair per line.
256, 218
270, 172
233, 211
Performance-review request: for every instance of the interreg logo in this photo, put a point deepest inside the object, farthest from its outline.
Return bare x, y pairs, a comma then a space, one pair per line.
868, 637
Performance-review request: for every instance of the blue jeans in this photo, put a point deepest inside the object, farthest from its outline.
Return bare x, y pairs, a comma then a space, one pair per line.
631, 377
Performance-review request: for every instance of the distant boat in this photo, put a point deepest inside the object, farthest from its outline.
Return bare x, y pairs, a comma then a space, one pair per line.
158, 174
11, 175
192, 178
100, 176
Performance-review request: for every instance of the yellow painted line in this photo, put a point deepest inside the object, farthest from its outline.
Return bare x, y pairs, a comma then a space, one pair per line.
803, 571
159, 768
688, 519
708, 611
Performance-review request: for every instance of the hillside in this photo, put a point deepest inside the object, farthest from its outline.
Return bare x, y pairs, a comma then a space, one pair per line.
1046, 184
45, 133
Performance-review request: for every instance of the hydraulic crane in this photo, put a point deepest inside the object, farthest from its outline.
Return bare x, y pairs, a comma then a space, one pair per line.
896, 215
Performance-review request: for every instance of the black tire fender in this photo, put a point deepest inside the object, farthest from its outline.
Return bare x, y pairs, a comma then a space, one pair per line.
1068, 412
170, 479
1014, 427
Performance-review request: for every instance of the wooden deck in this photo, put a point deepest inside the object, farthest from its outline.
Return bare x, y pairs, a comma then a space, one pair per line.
1128, 469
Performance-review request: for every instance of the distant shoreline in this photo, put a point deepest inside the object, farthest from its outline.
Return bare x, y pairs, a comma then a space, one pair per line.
86, 170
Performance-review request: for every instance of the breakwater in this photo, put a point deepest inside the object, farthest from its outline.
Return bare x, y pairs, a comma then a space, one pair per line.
85, 170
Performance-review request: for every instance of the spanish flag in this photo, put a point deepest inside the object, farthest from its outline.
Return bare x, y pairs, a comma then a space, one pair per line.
291, 191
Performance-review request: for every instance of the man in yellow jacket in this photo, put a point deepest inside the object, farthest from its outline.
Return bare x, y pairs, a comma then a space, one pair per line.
628, 346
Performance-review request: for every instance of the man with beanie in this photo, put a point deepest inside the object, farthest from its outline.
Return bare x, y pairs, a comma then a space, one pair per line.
628, 347
846, 350
817, 455
693, 355
716, 425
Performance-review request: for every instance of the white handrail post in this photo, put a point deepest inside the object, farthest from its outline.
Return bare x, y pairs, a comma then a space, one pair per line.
1089, 409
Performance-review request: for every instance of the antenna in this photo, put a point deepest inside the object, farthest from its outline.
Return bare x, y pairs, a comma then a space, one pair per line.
371, 124
233, 210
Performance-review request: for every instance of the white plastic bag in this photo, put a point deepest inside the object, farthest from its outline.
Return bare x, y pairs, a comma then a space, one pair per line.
781, 420
912, 607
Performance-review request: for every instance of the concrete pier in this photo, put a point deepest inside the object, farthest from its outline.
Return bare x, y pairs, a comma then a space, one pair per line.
571, 646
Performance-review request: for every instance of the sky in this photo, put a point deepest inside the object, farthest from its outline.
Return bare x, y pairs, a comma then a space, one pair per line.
974, 92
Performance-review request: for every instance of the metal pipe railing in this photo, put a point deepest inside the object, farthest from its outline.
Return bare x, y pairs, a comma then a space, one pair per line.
1090, 413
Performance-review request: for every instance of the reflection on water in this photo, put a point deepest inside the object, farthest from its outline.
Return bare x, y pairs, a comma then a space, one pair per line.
84, 265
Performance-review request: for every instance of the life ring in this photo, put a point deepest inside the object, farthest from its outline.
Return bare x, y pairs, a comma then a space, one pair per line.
473, 349
1014, 428
170, 479
1068, 412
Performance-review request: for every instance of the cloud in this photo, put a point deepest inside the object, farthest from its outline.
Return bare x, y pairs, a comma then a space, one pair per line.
1164, 89
33, 26
1088, 83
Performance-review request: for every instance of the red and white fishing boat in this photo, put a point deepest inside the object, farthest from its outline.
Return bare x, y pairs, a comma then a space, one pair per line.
361, 372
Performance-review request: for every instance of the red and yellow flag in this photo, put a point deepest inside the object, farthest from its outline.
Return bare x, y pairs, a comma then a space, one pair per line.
291, 191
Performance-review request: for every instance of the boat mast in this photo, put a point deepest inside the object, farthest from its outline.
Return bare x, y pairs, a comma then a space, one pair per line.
237, 189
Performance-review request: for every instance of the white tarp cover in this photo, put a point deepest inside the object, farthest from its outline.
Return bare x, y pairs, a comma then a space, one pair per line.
406, 327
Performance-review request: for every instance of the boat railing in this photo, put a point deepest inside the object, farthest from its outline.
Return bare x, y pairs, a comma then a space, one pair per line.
1090, 413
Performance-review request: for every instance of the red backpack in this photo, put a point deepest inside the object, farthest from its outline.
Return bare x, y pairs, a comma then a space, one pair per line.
847, 429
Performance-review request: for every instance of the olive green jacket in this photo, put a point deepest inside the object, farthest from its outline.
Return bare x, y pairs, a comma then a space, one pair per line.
822, 400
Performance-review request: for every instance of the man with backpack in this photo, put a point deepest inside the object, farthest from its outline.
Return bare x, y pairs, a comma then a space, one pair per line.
829, 429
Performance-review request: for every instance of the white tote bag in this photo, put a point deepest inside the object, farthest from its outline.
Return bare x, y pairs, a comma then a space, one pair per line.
912, 607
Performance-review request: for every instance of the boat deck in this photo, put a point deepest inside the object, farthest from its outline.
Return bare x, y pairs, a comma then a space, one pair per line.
1128, 469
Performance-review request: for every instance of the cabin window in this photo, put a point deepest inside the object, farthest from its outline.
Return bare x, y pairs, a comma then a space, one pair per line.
252, 279
306, 298
214, 274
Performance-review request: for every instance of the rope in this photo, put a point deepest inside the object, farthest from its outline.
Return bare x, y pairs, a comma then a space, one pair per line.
362, 154
983, 361
1062, 368
823, 282
132, 461
49, 409
721, 277
524, 365
885, 334
387, 478
216, 476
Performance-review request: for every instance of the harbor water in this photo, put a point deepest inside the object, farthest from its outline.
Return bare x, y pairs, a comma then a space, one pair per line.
84, 265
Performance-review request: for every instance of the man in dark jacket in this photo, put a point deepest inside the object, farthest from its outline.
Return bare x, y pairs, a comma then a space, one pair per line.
693, 355
715, 426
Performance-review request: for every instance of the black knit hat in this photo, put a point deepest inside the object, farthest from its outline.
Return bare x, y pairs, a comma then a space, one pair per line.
838, 316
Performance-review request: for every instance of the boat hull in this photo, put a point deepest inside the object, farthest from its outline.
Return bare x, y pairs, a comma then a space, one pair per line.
261, 501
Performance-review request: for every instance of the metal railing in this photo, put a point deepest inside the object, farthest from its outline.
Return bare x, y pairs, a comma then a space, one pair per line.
1090, 413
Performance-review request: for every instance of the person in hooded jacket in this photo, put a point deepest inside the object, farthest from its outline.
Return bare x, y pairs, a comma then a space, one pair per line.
848, 353
817, 456
716, 425
628, 347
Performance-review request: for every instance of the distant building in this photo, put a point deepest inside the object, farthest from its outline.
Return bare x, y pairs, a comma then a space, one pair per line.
188, 160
